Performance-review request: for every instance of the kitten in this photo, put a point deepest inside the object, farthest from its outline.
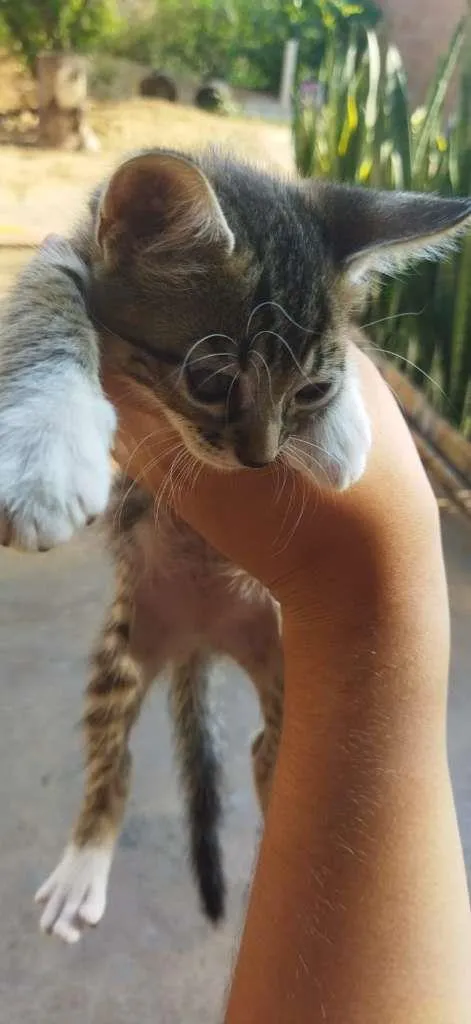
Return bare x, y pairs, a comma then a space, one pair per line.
226, 296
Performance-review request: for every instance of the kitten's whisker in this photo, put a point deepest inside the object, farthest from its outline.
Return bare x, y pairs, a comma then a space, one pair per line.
276, 470
318, 447
410, 362
254, 352
298, 520
149, 437
277, 305
288, 348
181, 475
196, 344
306, 475
184, 476
229, 393
305, 460
211, 355
389, 385
129, 391
222, 369
175, 475
393, 316
280, 468
164, 487
162, 454
177, 464
134, 482
257, 371
296, 456
218, 334
285, 477
194, 473
198, 473
159, 500
288, 508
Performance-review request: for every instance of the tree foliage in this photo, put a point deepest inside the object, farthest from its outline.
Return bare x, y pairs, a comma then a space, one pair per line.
362, 128
36, 25
238, 39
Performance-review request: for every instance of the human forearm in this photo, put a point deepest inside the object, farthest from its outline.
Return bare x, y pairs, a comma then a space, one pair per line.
359, 909
358, 912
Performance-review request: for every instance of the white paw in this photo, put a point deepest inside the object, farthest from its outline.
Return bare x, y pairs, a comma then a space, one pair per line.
75, 894
56, 432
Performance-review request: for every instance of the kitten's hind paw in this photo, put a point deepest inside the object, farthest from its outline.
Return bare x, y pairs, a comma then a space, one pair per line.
75, 894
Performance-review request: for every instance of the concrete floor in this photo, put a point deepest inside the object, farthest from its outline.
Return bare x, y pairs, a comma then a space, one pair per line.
153, 959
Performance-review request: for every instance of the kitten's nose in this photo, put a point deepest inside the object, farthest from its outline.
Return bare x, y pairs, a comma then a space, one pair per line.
250, 464
256, 443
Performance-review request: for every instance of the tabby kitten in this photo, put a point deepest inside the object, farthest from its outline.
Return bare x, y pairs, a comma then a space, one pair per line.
226, 296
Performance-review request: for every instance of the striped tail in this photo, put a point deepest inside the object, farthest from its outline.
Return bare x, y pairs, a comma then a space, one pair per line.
200, 774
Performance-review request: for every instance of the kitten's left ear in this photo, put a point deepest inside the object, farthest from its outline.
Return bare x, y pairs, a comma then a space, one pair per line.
373, 231
159, 199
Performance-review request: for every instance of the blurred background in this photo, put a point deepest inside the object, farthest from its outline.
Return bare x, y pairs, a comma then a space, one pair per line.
377, 93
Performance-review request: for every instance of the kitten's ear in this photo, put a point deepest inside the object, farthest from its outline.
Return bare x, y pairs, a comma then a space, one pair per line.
159, 200
373, 231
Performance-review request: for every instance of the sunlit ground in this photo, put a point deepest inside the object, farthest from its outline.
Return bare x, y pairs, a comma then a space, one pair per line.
41, 191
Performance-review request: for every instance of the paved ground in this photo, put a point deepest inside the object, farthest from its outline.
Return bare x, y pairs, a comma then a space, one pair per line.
153, 959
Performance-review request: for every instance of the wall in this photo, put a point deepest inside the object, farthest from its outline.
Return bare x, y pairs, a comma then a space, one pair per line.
422, 30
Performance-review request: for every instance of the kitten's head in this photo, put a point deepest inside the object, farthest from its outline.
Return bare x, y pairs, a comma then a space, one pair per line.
233, 293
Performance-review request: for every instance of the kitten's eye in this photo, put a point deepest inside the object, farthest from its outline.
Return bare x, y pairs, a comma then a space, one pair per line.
209, 386
314, 393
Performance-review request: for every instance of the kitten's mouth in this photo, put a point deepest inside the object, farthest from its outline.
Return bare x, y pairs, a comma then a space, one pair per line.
250, 464
231, 463
224, 461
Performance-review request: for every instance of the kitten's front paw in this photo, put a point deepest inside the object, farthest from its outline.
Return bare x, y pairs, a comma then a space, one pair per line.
343, 438
75, 894
56, 434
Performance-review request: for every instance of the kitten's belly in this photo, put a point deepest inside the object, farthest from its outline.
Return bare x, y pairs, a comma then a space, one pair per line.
195, 594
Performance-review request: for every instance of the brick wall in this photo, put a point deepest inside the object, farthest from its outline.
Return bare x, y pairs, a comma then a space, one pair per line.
422, 30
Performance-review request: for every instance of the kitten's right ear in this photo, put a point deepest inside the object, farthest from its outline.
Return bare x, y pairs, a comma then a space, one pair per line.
372, 231
159, 201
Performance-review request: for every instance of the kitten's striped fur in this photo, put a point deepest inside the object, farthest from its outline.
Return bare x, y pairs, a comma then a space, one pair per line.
225, 296
122, 671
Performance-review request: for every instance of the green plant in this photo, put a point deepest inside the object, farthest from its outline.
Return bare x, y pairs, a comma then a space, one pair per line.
35, 25
366, 132
237, 39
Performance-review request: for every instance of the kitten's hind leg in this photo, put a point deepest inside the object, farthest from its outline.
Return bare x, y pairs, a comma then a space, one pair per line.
200, 774
265, 743
75, 893
256, 645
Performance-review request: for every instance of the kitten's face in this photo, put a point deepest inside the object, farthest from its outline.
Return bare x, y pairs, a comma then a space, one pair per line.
254, 385
232, 292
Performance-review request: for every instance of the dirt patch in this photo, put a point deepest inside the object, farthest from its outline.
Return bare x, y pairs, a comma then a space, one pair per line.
43, 190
